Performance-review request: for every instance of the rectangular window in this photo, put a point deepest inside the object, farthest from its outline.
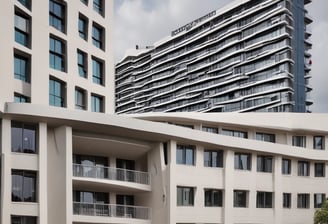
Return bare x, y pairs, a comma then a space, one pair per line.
303, 200
299, 141
213, 198
22, 68
97, 71
185, 154
319, 170
23, 137
19, 98
265, 137
240, 199
26, 3
286, 166
243, 161
23, 186
318, 200
57, 54
90, 166
88, 202
213, 158
22, 29
80, 99
83, 27
97, 103
82, 63
264, 199
185, 196
319, 142
264, 164
303, 168
98, 6
15, 219
286, 200
240, 134
56, 93
98, 36
210, 129
57, 15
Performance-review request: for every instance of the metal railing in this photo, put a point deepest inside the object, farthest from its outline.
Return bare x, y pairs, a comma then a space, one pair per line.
111, 210
111, 173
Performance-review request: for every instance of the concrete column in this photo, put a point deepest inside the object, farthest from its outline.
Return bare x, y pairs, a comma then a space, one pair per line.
5, 170
42, 177
228, 186
277, 189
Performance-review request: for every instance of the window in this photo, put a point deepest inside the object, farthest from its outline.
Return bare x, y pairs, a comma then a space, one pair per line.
82, 63
264, 164
22, 29
23, 219
213, 198
185, 196
319, 142
98, 6
210, 129
80, 99
90, 166
23, 186
318, 200
22, 68
23, 137
185, 154
26, 3
264, 199
87, 202
97, 36
286, 166
57, 54
97, 71
240, 199
57, 15
97, 103
319, 169
303, 200
56, 93
18, 98
213, 158
240, 134
85, 2
299, 141
243, 161
83, 27
286, 200
303, 168
265, 137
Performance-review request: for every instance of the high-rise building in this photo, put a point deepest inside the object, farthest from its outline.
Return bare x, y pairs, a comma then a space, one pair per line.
57, 53
247, 56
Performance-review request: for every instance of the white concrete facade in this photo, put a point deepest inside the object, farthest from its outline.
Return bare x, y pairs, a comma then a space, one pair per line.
34, 87
152, 142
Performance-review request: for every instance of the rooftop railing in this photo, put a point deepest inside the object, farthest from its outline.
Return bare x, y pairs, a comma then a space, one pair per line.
111, 173
111, 210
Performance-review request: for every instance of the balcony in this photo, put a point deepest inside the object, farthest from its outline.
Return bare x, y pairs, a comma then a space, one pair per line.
111, 210
111, 173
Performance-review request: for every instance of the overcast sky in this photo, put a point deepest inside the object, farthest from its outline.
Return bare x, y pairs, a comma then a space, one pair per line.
144, 22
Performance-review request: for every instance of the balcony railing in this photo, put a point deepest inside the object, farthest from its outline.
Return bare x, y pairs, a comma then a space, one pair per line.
111, 173
111, 210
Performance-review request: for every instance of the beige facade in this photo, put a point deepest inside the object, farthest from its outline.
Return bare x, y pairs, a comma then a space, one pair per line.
29, 29
80, 178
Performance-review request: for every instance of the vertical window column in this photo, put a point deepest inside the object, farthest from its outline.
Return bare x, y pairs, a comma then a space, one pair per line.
57, 54
22, 29
57, 93
57, 17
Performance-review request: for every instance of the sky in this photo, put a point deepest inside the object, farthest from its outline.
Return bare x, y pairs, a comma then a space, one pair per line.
144, 22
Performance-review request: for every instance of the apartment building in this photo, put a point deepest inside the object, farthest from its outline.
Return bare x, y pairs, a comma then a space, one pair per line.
72, 167
247, 56
57, 53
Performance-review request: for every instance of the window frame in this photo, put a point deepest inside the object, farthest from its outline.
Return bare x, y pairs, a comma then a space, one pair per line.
54, 95
263, 165
26, 3
185, 150
23, 219
264, 199
98, 71
240, 165
20, 98
19, 30
286, 200
289, 166
316, 169
98, 6
315, 144
55, 20
299, 141
84, 21
316, 196
22, 189
303, 200
234, 133
213, 198
185, 196
26, 75
100, 101
24, 128
56, 54
214, 163
79, 92
237, 199
266, 137
82, 65
303, 168
98, 36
